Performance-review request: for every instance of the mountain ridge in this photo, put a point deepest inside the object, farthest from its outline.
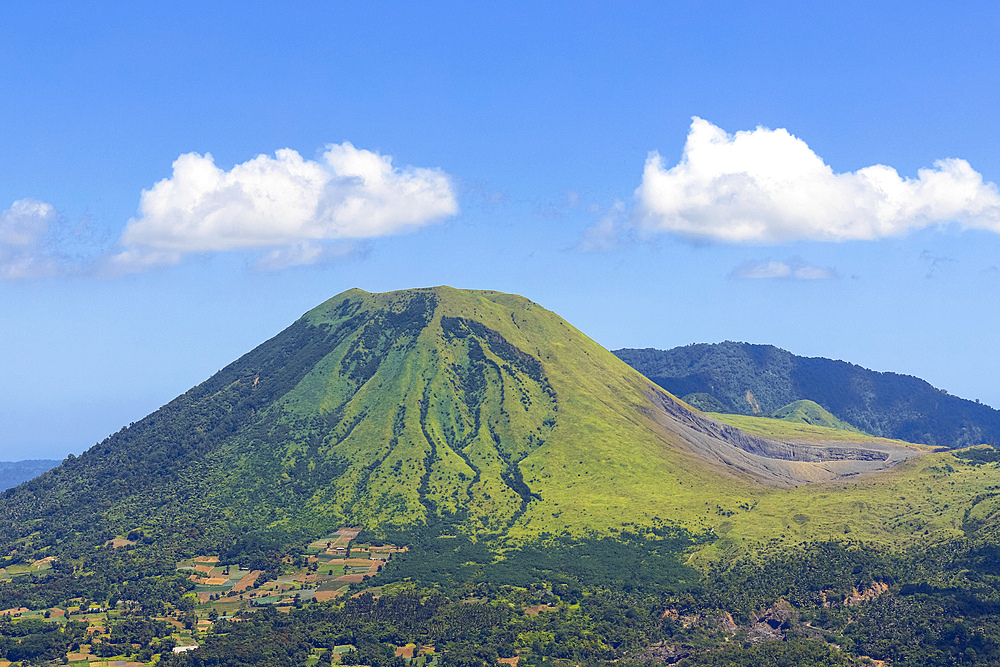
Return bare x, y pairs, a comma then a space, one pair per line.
758, 379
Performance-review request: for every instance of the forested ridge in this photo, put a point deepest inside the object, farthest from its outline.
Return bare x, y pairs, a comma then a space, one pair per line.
742, 378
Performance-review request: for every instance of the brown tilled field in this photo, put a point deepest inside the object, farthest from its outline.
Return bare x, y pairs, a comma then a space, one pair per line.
247, 581
324, 596
360, 562
345, 536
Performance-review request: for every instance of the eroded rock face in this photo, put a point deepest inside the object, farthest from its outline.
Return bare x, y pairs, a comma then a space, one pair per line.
857, 597
772, 461
668, 654
771, 624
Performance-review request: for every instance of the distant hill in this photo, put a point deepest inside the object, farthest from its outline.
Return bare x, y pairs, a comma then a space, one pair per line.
13, 473
741, 378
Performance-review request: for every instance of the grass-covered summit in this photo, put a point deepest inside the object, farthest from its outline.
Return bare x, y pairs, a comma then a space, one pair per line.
386, 410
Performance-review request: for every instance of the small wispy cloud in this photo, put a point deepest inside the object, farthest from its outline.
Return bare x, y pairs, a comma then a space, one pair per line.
25, 240
606, 233
303, 254
793, 269
767, 186
569, 201
285, 206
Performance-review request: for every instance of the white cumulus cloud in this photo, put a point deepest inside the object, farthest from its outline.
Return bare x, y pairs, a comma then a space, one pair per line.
283, 204
24, 251
793, 269
765, 186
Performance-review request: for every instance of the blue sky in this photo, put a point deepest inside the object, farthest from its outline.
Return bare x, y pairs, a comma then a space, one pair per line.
180, 183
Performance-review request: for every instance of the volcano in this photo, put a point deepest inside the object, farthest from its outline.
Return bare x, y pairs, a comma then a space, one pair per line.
389, 410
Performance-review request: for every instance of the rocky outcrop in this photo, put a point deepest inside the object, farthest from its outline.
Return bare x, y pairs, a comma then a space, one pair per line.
771, 624
668, 654
857, 597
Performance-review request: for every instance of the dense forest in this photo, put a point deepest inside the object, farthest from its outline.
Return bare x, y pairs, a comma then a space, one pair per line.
747, 379
559, 600
802, 607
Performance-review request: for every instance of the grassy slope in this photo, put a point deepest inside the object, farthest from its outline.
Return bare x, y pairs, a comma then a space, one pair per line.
923, 500
604, 464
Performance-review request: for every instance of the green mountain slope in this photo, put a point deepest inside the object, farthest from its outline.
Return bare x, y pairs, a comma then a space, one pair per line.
759, 379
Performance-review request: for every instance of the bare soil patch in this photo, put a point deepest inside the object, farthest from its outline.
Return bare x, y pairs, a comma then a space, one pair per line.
535, 610
770, 461
14, 611
118, 543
